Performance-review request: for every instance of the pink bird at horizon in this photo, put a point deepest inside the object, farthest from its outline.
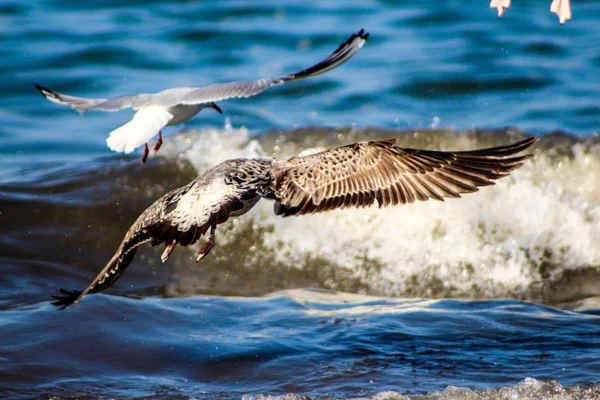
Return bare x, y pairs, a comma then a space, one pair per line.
501, 5
562, 8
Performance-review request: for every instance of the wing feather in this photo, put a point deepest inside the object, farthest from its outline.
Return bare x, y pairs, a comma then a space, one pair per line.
361, 173
181, 216
190, 95
223, 91
82, 104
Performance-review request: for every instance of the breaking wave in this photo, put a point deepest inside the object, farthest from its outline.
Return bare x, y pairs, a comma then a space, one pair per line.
535, 235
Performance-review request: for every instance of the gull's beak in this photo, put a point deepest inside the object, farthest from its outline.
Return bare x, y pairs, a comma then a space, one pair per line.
216, 108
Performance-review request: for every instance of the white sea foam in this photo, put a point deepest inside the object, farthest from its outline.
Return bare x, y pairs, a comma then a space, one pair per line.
536, 224
529, 388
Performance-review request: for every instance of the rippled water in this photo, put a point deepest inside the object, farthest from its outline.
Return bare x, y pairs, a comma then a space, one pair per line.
491, 296
300, 342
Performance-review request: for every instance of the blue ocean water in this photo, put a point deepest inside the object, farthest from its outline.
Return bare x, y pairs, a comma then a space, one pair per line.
313, 343
491, 296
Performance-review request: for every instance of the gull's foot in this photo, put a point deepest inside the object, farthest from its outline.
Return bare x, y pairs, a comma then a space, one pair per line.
145, 155
501, 5
562, 8
206, 247
159, 143
165, 255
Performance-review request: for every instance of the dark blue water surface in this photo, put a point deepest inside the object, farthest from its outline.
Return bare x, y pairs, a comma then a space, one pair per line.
205, 347
491, 296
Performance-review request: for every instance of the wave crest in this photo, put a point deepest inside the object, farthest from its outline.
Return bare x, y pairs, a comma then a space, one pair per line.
529, 237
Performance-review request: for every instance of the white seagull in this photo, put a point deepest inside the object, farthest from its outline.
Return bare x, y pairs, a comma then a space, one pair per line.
177, 105
356, 175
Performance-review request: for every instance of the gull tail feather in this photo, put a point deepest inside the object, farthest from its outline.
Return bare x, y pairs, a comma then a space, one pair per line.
146, 124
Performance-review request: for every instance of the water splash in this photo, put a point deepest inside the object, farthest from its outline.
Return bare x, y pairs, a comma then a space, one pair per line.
517, 239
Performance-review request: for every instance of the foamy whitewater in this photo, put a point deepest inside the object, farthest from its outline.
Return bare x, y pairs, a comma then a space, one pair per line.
518, 239
527, 389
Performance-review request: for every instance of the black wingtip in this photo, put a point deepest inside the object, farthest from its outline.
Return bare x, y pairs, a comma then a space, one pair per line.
342, 54
69, 298
216, 108
504, 151
361, 34
41, 89
525, 143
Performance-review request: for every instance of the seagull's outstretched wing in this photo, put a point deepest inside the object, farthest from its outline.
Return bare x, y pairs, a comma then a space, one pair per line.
222, 91
362, 173
82, 104
181, 217
140, 232
208, 94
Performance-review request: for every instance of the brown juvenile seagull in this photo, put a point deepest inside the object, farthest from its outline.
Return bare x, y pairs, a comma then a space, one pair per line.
177, 105
356, 175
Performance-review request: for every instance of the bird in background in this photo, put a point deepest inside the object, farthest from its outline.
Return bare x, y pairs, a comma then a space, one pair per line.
356, 175
562, 8
177, 105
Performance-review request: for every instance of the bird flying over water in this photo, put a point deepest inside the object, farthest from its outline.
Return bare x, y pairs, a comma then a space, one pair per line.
177, 105
356, 175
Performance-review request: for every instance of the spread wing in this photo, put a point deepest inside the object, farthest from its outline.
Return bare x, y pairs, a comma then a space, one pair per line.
250, 88
208, 94
362, 173
181, 216
82, 104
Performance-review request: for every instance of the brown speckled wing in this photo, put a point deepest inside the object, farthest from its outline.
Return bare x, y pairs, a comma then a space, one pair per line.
359, 174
